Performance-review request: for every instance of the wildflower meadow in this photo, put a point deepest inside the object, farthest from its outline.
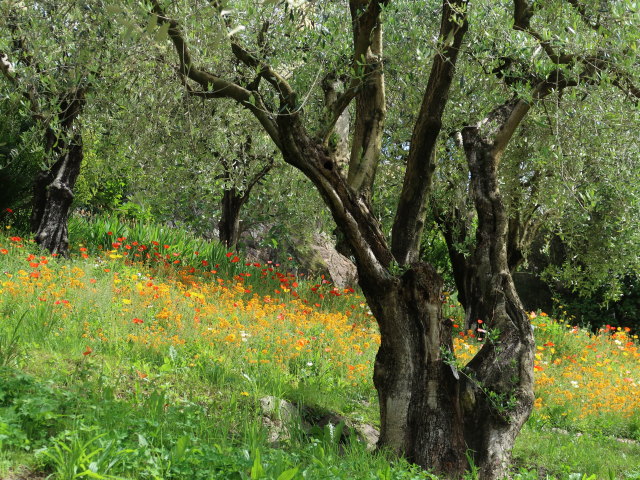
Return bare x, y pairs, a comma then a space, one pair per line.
150, 357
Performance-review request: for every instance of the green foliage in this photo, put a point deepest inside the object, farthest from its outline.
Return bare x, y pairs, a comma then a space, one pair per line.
100, 233
9, 339
596, 309
20, 159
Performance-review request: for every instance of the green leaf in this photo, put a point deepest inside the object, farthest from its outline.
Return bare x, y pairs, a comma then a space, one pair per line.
181, 448
152, 23
257, 471
288, 474
163, 33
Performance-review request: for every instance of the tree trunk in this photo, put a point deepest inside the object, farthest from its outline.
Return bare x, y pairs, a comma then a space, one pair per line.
417, 383
229, 224
498, 392
53, 188
53, 195
416, 380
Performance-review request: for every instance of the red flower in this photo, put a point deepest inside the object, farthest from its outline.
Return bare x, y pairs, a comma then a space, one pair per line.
138, 320
4, 251
229, 254
235, 259
87, 351
109, 233
8, 210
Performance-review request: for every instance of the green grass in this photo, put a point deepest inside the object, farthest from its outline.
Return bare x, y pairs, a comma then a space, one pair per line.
563, 454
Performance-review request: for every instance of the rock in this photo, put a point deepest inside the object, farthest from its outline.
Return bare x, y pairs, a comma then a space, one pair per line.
342, 271
368, 434
315, 256
278, 417
279, 409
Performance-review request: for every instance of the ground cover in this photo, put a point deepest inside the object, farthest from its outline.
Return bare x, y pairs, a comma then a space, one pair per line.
117, 369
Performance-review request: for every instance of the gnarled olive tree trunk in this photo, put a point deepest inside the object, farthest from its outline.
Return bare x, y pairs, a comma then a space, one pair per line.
233, 199
417, 382
498, 391
431, 412
53, 188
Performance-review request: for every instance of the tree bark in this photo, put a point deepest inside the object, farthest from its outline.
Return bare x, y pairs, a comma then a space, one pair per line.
229, 224
53, 188
417, 384
53, 195
498, 391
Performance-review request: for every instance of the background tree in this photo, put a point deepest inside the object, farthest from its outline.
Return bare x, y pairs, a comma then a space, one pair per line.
50, 54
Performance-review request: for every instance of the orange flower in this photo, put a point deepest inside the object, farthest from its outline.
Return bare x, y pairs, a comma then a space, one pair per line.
87, 351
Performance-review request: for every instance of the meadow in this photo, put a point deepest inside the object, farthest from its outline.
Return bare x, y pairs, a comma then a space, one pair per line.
149, 354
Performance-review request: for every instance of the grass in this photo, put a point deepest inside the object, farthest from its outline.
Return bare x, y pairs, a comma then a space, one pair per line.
116, 369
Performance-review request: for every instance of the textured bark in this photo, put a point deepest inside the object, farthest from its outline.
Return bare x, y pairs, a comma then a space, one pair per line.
53, 195
229, 224
370, 100
53, 188
420, 414
498, 392
408, 224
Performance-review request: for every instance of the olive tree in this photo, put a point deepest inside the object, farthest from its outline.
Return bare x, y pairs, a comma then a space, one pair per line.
52, 53
298, 73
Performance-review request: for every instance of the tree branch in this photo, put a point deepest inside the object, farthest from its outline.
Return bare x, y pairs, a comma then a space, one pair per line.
409, 220
257, 177
285, 92
522, 14
368, 88
212, 85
